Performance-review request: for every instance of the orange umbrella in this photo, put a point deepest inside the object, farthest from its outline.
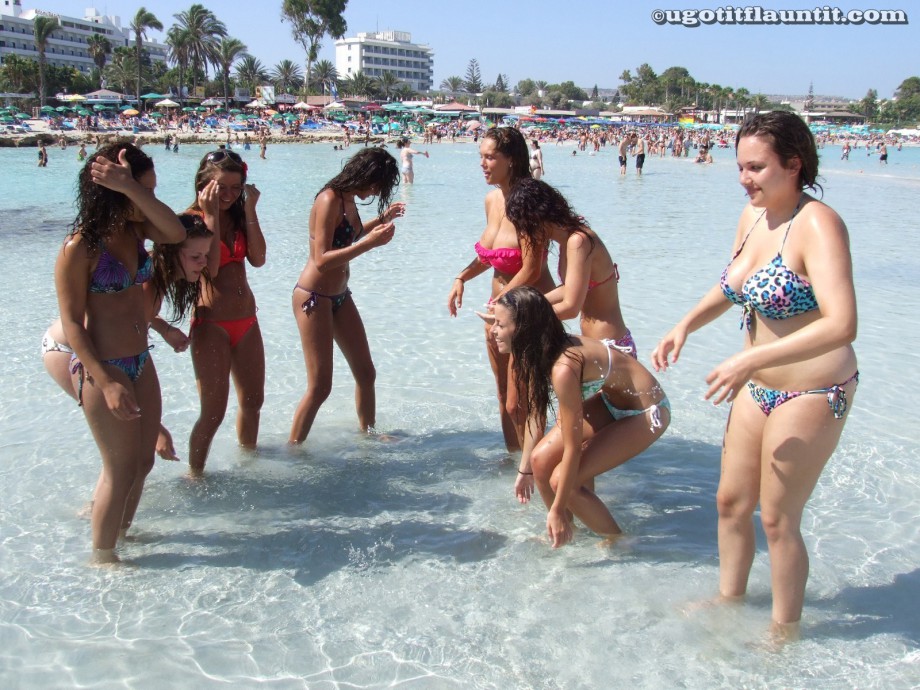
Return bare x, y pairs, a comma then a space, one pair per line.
129, 112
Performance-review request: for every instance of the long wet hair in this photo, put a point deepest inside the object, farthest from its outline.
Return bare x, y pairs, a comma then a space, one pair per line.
168, 279
103, 212
790, 138
370, 168
532, 206
510, 142
223, 160
538, 341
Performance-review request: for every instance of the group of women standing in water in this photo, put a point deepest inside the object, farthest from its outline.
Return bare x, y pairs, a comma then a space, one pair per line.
789, 386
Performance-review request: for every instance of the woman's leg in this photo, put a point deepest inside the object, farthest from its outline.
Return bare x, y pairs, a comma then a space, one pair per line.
247, 365
500, 367
350, 336
127, 452
607, 444
799, 438
211, 357
149, 398
315, 329
738, 494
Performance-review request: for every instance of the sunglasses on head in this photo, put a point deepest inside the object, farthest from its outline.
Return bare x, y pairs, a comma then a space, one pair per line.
218, 156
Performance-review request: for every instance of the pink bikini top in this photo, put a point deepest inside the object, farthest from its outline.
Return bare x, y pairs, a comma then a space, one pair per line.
505, 260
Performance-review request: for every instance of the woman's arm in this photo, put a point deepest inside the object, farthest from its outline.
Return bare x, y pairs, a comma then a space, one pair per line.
255, 240
567, 385
828, 264
209, 203
569, 298
161, 224
523, 483
175, 338
471, 270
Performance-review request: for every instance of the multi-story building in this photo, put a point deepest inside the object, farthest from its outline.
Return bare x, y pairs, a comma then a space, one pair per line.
67, 45
386, 51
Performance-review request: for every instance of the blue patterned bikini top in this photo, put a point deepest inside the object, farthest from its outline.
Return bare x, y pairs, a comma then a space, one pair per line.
111, 275
775, 291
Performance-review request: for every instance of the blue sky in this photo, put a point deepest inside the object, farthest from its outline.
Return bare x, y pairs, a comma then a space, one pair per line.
593, 41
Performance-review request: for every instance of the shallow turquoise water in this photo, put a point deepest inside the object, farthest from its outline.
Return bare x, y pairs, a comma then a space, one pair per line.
355, 563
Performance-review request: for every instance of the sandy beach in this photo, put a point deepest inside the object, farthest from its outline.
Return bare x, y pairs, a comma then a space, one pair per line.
41, 131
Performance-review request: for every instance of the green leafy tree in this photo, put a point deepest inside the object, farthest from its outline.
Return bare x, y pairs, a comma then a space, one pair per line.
311, 21
203, 32
287, 76
525, 87
404, 92
229, 50
362, 85
42, 28
869, 104
473, 80
501, 82
143, 20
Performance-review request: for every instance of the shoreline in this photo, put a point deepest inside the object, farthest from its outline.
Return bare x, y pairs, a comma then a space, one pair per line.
41, 133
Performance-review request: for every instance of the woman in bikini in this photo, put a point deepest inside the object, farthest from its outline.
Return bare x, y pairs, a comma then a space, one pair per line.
593, 436
226, 339
536, 160
406, 154
504, 162
98, 277
790, 385
322, 302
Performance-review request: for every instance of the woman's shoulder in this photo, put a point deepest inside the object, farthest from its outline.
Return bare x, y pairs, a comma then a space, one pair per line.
818, 220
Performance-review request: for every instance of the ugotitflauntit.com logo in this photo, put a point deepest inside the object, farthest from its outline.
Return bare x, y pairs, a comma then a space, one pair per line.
757, 15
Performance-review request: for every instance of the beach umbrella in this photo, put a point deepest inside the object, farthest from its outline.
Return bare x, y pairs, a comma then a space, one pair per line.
63, 108
167, 103
270, 112
211, 102
148, 96
188, 109
157, 115
235, 111
99, 107
47, 109
200, 109
130, 112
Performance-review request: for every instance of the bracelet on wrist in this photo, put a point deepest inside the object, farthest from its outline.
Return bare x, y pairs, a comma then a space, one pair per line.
460, 279
252, 222
519, 472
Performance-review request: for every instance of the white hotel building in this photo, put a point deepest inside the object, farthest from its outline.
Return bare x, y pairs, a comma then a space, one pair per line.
386, 51
67, 45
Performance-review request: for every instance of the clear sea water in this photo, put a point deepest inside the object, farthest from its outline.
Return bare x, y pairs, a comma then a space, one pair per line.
354, 563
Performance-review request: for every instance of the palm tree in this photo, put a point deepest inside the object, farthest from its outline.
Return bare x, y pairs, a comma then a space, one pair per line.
311, 21
228, 51
403, 92
286, 76
359, 84
324, 72
387, 83
203, 29
251, 72
142, 21
760, 102
42, 27
121, 70
452, 84
99, 48
177, 39
16, 71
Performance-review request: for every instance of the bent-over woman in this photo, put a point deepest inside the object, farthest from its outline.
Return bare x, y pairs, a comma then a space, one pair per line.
591, 436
